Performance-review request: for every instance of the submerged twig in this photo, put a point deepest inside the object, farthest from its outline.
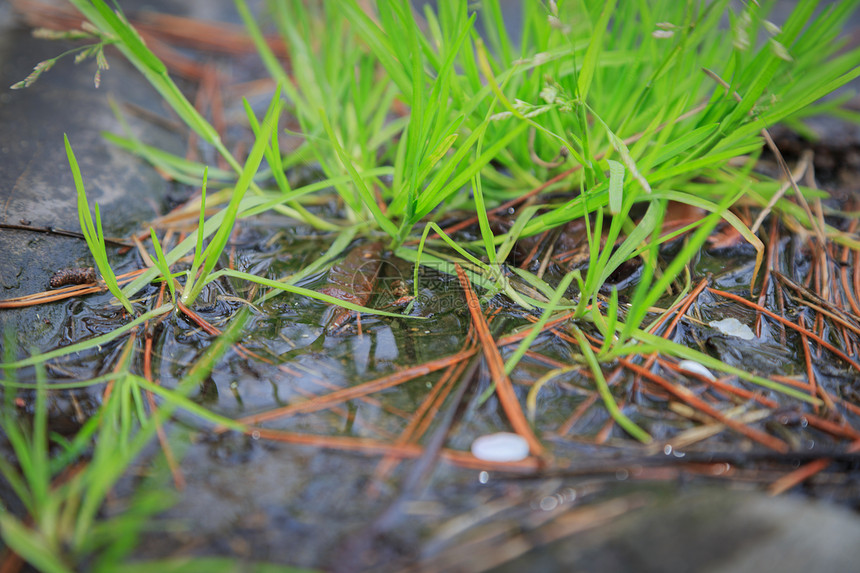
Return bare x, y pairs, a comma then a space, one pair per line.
60, 233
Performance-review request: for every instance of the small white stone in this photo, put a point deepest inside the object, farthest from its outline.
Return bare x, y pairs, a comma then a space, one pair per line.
500, 447
696, 368
733, 327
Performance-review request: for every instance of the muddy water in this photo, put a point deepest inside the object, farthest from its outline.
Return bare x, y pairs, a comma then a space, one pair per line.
260, 500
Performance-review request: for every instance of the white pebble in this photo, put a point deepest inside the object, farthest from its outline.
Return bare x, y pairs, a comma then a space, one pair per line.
501, 447
733, 327
696, 368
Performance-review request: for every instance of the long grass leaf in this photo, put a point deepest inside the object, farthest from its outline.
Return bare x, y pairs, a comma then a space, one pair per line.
606, 394
219, 241
616, 186
595, 47
93, 232
537, 328
183, 403
300, 291
88, 344
30, 545
672, 348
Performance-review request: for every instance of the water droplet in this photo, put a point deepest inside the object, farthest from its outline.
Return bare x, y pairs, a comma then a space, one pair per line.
500, 447
255, 435
720, 469
622, 474
733, 327
484, 477
696, 368
667, 449
549, 503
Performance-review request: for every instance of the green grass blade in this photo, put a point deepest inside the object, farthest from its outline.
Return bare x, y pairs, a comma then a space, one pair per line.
30, 545
603, 389
162, 265
616, 186
219, 241
93, 232
337, 247
551, 308
301, 291
183, 403
483, 220
595, 47
207, 564
88, 344
640, 308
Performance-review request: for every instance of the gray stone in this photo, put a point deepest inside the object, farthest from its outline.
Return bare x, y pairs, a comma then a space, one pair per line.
710, 530
35, 180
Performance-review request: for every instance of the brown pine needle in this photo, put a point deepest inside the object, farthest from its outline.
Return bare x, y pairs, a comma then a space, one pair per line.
504, 387
64, 293
377, 447
789, 324
687, 396
518, 336
807, 357
842, 431
804, 472
425, 413
340, 396
680, 311
574, 417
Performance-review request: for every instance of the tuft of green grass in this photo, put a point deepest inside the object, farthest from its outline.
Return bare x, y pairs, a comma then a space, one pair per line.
636, 117
63, 529
412, 117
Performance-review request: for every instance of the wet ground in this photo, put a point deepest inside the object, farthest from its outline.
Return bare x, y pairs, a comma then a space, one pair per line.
607, 504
